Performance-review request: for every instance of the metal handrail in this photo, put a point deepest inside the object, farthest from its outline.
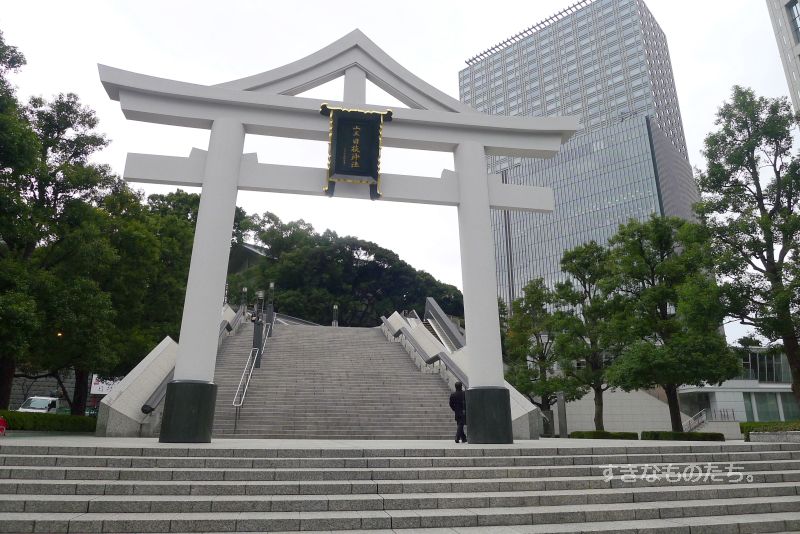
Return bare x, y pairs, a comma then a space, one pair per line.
157, 396
283, 316
238, 400
696, 421
722, 414
443, 357
435, 312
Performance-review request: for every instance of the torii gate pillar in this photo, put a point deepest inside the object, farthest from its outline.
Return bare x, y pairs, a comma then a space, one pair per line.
191, 396
488, 404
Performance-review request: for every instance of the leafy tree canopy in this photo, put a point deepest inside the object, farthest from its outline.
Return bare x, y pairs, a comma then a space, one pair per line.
313, 271
671, 311
586, 342
751, 205
532, 365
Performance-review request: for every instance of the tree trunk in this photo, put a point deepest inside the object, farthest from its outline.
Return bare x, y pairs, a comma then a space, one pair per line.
81, 392
548, 423
790, 345
786, 327
598, 407
7, 368
674, 407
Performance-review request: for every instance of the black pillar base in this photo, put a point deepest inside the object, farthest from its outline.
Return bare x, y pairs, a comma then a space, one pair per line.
489, 416
188, 412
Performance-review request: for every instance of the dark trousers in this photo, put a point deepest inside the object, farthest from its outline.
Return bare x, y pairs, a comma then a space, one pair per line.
461, 419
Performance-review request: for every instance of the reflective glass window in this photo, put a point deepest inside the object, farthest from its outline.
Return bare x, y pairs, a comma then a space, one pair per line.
791, 410
767, 406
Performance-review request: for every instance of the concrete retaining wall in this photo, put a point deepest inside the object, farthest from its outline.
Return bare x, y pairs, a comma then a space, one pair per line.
120, 413
775, 437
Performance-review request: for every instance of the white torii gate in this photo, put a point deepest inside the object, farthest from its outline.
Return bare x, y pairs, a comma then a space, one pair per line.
264, 104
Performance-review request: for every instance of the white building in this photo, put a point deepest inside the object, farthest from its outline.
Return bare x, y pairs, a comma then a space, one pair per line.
763, 392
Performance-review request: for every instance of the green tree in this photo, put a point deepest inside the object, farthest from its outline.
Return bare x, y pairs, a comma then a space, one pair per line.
671, 310
19, 150
532, 366
19, 321
19, 146
502, 312
313, 271
751, 204
585, 341
76, 332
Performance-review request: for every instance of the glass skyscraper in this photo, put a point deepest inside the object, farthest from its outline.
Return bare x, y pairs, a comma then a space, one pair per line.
785, 16
606, 61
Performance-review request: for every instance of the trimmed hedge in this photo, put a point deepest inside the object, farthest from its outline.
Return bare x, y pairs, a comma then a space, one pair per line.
769, 426
49, 422
682, 436
602, 434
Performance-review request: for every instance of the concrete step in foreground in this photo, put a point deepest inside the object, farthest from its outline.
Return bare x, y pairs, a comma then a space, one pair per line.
478, 488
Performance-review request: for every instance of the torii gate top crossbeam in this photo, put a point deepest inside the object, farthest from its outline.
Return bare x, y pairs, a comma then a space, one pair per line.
162, 101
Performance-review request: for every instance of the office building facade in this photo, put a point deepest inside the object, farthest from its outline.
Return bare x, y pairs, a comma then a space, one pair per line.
762, 392
785, 16
608, 62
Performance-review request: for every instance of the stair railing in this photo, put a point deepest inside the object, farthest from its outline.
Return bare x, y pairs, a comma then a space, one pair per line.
722, 414
247, 373
446, 327
428, 358
696, 421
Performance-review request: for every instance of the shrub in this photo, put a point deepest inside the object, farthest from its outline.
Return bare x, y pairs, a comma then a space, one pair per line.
682, 436
602, 434
49, 422
769, 426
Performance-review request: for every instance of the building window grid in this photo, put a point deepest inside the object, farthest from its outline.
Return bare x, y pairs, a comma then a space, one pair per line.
531, 102
793, 12
767, 368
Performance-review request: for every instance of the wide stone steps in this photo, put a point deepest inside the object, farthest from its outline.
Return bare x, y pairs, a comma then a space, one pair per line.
249, 458
334, 425
334, 383
313, 473
387, 501
581, 485
739, 488
460, 516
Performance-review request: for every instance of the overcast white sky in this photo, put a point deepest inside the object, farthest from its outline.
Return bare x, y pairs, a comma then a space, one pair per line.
714, 44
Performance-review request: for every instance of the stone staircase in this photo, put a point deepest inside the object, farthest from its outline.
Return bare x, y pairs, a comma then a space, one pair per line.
144, 487
231, 359
318, 382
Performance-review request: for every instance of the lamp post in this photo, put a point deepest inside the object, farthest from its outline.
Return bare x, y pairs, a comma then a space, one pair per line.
335, 315
260, 302
258, 327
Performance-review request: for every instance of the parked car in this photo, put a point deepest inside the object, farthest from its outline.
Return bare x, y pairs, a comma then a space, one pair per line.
39, 405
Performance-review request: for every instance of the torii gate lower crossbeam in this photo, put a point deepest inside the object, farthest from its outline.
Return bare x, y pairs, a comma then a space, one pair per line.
246, 106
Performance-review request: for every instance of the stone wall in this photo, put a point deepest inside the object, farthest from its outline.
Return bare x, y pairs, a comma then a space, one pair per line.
23, 388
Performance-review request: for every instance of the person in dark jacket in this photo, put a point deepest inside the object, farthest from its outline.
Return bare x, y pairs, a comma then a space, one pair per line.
458, 403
